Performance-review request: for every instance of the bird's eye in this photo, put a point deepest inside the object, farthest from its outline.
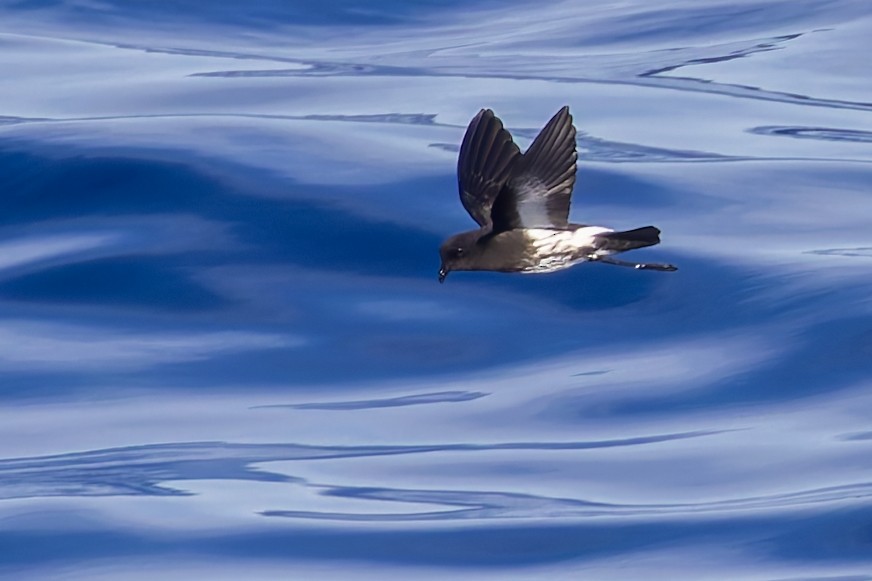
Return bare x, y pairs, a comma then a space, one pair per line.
458, 252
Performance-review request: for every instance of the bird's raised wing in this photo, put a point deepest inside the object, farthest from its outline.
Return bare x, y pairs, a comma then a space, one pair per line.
539, 190
487, 156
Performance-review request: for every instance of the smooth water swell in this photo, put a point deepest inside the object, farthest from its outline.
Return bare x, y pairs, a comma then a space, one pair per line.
224, 353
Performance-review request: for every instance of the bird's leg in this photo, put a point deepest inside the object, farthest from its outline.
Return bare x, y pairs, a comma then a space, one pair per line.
636, 265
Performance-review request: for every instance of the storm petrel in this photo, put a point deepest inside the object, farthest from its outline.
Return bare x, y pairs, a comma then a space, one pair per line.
521, 203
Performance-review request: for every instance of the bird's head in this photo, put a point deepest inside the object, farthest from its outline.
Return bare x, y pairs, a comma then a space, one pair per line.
459, 253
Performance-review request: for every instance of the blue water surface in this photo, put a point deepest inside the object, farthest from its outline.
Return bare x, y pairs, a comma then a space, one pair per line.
224, 353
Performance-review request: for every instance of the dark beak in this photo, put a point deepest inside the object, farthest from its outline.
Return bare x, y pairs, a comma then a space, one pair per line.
443, 272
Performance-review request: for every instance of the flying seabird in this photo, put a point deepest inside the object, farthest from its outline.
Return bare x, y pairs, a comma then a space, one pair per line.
521, 204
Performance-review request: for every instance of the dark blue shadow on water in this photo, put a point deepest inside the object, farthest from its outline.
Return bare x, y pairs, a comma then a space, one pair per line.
319, 235
304, 232
813, 539
146, 282
263, 14
334, 258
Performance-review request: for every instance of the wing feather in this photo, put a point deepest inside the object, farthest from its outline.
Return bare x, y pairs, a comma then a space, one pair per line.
487, 157
539, 191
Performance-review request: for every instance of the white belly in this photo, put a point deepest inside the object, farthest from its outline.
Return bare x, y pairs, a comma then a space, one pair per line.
559, 249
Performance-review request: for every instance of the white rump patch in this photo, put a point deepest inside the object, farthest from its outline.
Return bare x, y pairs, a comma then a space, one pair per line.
559, 249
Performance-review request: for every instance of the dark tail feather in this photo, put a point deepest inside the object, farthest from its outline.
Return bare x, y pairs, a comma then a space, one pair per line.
630, 239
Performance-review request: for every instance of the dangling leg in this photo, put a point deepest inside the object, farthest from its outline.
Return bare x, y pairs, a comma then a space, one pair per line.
636, 265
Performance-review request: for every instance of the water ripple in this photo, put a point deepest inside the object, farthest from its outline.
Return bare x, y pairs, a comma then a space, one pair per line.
500, 505
316, 69
406, 400
864, 251
598, 149
774, 43
639, 69
139, 470
8, 120
821, 133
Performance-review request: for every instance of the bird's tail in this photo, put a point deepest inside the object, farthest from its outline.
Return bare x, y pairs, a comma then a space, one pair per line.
630, 239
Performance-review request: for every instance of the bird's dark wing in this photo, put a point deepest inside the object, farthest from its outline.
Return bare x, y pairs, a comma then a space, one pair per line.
487, 155
539, 190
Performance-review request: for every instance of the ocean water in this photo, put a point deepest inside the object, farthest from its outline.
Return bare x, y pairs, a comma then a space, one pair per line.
224, 353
